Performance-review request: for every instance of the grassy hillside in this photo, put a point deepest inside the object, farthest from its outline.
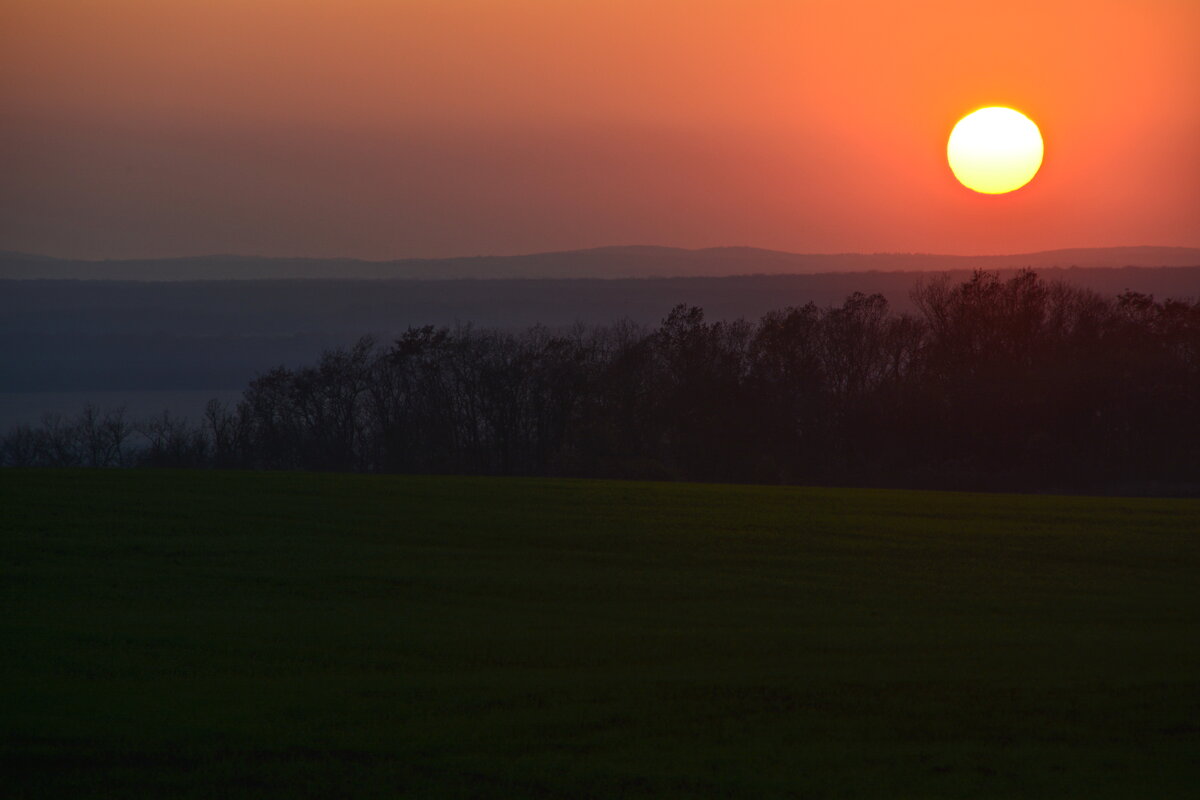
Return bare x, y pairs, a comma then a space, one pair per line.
294, 635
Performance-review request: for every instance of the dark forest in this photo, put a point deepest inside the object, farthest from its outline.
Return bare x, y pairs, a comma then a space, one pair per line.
991, 383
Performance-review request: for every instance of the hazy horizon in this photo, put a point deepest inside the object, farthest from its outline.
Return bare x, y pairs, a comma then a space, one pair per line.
647, 247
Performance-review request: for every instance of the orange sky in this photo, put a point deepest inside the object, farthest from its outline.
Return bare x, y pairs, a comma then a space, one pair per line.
379, 129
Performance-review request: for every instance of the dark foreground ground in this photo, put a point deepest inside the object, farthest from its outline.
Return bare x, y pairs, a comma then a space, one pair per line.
293, 635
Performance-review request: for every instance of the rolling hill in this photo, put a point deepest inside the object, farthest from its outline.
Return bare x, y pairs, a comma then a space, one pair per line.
603, 262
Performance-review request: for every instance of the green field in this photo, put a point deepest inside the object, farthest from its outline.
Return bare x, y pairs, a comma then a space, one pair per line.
200, 634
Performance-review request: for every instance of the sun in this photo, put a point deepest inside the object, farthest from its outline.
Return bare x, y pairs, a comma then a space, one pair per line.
995, 150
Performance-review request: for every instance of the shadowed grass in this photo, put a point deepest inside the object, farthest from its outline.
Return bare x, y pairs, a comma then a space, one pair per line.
199, 634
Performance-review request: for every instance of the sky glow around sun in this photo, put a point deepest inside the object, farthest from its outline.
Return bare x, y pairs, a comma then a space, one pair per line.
381, 129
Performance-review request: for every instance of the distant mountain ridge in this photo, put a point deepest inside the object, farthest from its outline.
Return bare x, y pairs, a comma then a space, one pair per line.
600, 262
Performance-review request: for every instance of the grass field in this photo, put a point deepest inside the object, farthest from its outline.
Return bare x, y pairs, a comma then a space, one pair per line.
197, 634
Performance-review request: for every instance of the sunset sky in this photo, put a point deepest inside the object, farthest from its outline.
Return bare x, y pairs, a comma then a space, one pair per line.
386, 129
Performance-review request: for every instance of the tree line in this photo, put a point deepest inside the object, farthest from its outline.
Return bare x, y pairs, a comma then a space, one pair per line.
1007, 384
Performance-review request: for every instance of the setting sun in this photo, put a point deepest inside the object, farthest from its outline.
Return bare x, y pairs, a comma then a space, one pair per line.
995, 150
